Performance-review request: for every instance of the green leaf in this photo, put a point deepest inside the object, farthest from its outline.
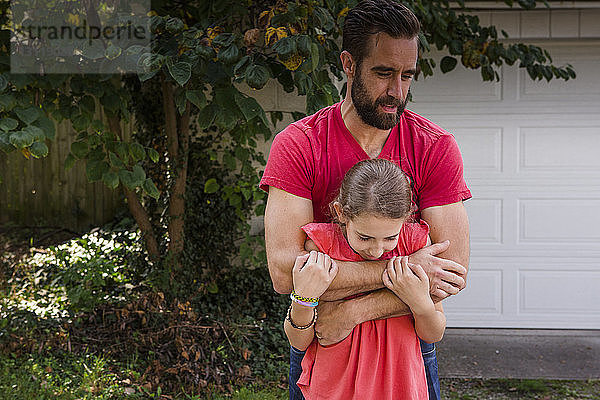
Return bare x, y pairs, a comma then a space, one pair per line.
249, 107
138, 175
110, 179
224, 39
151, 189
3, 83
240, 67
181, 72
126, 178
88, 103
47, 126
303, 82
8, 124
175, 25
137, 152
112, 51
257, 76
285, 47
28, 115
303, 45
5, 145
115, 161
39, 149
229, 161
21, 139
95, 169
37, 133
7, 101
123, 151
69, 162
225, 120
213, 288
211, 186
80, 122
314, 56
153, 154
448, 64
196, 97
207, 116
229, 55
80, 149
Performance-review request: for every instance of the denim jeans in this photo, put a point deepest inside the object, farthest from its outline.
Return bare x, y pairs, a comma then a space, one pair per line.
296, 357
429, 359
431, 370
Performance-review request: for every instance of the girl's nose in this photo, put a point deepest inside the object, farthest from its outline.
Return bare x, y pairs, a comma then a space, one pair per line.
377, 252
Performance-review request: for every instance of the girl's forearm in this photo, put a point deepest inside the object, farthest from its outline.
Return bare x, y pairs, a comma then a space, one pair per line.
430, 325
301, 316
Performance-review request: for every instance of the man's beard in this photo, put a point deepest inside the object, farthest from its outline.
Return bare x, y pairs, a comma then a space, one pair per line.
369, 112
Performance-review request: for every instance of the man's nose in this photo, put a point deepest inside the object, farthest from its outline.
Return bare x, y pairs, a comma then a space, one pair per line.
395, 88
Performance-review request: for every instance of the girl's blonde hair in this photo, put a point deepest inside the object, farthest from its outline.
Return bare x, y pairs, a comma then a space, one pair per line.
377, 187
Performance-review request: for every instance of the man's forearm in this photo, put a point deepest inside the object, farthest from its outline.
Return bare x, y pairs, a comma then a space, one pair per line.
355, 277
379, 304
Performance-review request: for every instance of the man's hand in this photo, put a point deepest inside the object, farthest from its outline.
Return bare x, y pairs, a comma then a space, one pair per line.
446, 277
333, 324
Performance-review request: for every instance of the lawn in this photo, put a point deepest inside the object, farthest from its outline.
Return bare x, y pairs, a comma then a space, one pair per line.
65, 376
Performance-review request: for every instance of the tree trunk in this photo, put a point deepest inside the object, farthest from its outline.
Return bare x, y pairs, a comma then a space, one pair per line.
136, 209
177, 129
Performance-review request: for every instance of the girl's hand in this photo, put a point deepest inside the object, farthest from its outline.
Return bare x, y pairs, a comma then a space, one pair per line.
313, 273
410, 283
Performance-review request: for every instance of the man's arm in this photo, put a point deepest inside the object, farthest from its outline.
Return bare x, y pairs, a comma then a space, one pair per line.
447, 276
447, 270
338, 318
285, 214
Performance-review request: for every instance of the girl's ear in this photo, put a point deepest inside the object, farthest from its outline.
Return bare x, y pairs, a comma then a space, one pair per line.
337, 206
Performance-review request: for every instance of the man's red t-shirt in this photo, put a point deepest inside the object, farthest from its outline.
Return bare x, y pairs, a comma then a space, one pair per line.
380, 359
310, 157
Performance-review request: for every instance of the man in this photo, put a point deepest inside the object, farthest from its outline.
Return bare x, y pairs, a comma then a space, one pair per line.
309, 158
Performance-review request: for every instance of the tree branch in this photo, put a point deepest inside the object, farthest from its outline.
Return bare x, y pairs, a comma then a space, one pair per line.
136, 209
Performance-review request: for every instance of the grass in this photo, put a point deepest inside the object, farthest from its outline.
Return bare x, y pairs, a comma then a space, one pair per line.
85, 377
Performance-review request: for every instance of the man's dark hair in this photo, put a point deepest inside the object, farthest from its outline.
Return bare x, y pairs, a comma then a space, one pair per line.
373, 16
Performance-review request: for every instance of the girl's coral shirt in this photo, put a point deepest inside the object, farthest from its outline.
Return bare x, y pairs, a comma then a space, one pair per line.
379, 359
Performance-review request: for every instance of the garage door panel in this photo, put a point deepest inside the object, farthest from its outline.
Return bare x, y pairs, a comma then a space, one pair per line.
559, 221
483, 294
481, 148
562, 149
569, 291
485, 215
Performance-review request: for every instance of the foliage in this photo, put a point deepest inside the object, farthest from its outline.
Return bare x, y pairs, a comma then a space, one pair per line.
53, 286
201, 68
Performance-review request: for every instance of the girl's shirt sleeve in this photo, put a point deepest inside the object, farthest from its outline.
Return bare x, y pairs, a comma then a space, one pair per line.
329, 239
413, 237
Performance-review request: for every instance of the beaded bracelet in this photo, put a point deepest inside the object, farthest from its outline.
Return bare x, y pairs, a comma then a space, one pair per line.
295, 297
289, 319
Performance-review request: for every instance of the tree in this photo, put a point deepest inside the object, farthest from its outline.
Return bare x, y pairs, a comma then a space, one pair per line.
200, 56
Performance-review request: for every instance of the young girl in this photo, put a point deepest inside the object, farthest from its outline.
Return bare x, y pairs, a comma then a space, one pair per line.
379, 359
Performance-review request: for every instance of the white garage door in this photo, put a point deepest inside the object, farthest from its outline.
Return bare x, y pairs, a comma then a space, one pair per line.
532, 160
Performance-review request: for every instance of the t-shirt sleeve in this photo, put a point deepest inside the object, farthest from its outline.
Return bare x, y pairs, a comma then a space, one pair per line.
322, 234
290, 165
413, 236
443, 178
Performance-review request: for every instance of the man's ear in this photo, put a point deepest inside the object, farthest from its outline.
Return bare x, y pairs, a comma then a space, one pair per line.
337, 206
348, 64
